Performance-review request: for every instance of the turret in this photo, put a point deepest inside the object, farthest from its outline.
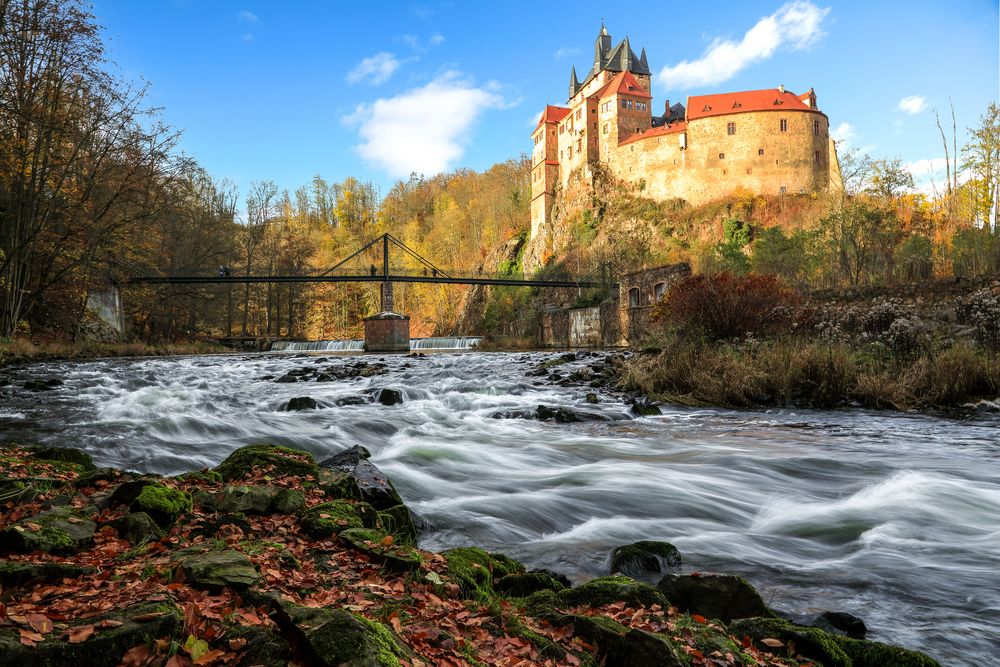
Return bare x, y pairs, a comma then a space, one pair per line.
601, 47
574, 84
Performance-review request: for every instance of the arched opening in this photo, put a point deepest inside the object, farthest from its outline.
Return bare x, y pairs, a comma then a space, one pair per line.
633, 297
659, 291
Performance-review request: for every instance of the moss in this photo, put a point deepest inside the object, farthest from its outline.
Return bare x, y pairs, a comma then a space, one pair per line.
388, 652
162, 503
209, 476
372, 542
646, 555
606, 590
397, 520
474, 570
523, 585
276, 461
328, 519
80, 460
876, 654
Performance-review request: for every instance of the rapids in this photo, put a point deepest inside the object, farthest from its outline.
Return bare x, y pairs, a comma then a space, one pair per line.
892, 517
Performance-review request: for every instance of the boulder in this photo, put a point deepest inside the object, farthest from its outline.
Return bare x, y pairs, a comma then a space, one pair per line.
644, 557
215, 570
840, 623
61, 530
137, 625
92, 477
65, 454
389, 396
20, 490
399, 521
474, 570
523, 585
826, 648
591, 398
329, 519
301, 403
288, 501
126, 492
567, 415
338, 638
381, 549
607, 590
721, 596
277, 461
372, 484
352, 400
246, 499
18, 573
164, 504
643, 407
619, 646
137, 527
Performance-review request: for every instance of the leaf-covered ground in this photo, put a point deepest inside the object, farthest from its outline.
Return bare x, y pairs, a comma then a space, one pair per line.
438, 610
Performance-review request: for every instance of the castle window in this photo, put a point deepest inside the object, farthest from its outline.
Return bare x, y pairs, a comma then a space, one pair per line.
605, 128
579, 145
659, 290
730, 128
538, 139
783, 125
578, 113
569, 153
817, 157
626, 104
722, 156
641, 106
760, 151
783, 189
633, 297
562, 129
816, 128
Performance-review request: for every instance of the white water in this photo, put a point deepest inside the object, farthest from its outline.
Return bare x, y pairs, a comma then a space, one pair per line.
435, 343
893, 517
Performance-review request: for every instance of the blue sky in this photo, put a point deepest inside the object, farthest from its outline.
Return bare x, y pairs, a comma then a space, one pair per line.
283, 91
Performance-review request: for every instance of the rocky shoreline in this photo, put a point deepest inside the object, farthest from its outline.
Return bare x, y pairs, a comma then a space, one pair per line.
271, 558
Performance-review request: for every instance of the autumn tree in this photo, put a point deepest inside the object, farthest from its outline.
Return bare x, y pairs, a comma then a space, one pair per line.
981, 159
260, 204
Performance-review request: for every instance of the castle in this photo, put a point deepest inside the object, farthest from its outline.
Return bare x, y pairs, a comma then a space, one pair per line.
762, 141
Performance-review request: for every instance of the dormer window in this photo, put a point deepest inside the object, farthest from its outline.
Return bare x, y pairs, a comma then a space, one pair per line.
706, 108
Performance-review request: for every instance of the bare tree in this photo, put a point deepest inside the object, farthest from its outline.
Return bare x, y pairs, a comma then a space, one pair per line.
260, 210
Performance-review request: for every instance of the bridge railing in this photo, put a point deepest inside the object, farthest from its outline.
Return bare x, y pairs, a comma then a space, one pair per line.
376, 273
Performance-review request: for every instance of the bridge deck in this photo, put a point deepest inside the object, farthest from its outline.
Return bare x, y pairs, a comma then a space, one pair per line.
367, 278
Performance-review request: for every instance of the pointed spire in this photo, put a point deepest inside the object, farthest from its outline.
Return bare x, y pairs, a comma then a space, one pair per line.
642, 58
626, 57
574, 83
604, 30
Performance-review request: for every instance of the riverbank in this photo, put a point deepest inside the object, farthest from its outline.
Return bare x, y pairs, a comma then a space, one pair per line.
272, 559
22, 351
798, 372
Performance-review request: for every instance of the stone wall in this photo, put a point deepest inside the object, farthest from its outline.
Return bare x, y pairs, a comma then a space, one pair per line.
757, 158
639, 292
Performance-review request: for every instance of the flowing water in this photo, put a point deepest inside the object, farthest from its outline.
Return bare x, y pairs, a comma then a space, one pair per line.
892, 517
433, 343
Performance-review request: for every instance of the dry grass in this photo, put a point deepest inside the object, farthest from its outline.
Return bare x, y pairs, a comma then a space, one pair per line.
813, 373
21, 350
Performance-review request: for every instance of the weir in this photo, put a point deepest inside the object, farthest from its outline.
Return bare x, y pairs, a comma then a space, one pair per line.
429, 344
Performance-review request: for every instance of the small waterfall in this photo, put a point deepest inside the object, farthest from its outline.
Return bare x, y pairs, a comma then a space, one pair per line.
318, 346
445, 343
416, 344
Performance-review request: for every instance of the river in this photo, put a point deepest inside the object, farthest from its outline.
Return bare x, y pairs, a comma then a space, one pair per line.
892, 517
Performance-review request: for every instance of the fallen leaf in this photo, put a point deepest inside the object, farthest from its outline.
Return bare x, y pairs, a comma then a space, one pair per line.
152, 616
40, 623
237, 644
29, 638
80, 634
773, 643
136, 657
699, 618
33, 527
178, 661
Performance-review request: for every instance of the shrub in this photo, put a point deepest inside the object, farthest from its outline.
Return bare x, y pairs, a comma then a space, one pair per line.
981, 309
725, 306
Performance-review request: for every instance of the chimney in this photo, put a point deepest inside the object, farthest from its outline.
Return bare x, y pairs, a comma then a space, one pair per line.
666, 108
781, 88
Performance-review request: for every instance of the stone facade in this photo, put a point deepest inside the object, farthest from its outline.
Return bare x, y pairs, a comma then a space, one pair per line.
769, 141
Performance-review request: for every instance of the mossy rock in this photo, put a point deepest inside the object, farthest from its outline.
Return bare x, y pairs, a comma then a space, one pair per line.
207, 476
92, 477
77, 457
246, 499
264, 645
619, 646
215, 570
18, 573
162, 503
329, 519
106, 647
61, 530
523, 585
334, 637
137, 527
23, 490
270, 460
644, 557
127, 491
337, 484
396, 557
722, 596
398, 520
606, 590
474, 570
829, 649
288, 501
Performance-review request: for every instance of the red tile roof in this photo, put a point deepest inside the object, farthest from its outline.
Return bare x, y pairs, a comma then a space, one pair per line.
656, 132
623, 83
552, 114
770, 99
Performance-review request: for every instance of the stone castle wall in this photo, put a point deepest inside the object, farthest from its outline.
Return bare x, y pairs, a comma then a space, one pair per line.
705, 162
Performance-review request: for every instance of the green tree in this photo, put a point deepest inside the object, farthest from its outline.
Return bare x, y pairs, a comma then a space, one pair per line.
789, 256
889, 179
859, 237
981, 158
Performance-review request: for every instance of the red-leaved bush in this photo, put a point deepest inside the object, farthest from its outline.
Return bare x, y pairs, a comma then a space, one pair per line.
725, 306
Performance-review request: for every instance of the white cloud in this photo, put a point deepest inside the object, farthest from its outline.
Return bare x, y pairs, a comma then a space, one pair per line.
913, 104
376, 70
930, 175
567, 51
247, 16
247, 37
425, 129
437, 38
796, 24
843, 133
